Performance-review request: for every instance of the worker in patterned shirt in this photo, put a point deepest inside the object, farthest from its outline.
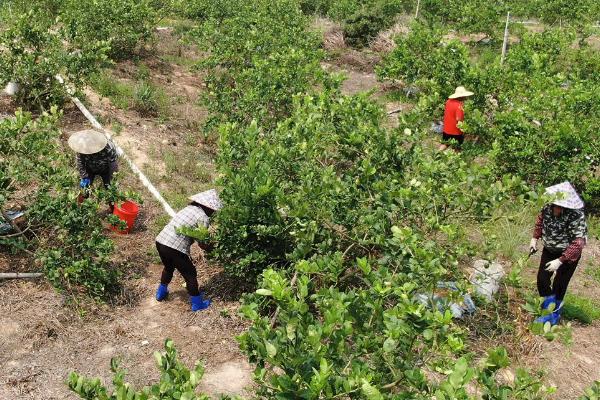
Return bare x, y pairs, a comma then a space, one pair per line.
96, 156
174, 247
562, 228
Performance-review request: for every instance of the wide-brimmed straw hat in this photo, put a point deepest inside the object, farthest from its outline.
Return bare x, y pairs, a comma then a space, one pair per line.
88, 141
209, 198
567, 196
460, 92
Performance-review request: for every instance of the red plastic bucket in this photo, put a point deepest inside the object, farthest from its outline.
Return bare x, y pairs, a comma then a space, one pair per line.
128, 212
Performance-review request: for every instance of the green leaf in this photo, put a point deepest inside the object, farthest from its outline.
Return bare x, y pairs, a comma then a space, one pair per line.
370, 392
271, 349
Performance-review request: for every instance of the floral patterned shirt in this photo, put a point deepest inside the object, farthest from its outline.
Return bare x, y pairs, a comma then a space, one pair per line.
564, 234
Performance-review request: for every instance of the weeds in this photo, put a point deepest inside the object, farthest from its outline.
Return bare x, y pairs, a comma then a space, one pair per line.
119, 93
594, 273
580, 308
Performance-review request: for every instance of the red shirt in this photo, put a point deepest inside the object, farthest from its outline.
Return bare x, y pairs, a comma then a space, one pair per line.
452, 116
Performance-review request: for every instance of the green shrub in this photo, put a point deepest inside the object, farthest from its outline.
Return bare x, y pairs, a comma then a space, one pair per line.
257, 77
68, 239
176, 381
364, 25
370, 340
540, 120
329, 178
423, 59
580, 308
33, 51
124, 24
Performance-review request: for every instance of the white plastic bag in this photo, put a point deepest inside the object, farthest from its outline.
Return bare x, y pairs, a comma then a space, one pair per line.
11, 88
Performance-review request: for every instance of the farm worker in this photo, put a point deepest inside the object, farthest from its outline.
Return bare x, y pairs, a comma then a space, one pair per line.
174, 247
96, 156
561, 225
453, 114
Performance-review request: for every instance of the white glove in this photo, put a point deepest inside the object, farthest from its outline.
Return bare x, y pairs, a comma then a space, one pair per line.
533, 245
553, 265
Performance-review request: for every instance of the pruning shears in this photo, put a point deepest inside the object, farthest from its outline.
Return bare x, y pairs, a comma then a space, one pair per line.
531, 252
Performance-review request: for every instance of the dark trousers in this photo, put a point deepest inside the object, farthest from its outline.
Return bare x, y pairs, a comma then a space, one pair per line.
176, 260
447, 138
561, 280
106, 176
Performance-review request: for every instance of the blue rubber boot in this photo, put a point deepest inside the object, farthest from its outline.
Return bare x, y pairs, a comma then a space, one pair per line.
547, 301
198, 303
162, 292
554, 316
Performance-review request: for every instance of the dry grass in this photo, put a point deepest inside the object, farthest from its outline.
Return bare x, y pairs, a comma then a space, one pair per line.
333, 34
384, 42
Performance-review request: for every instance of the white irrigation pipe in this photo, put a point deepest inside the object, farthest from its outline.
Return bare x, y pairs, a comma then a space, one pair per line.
145, 181
20, 275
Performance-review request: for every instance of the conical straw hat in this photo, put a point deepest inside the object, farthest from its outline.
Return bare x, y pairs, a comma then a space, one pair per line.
88, 141
460, 92
209, 198
567, 196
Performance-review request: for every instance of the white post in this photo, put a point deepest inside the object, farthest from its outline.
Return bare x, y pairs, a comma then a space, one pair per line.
505, 43
417, 12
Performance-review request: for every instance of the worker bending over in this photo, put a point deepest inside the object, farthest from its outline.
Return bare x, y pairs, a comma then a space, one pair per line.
174, 247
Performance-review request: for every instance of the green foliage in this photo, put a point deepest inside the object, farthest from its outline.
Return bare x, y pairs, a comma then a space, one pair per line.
331, 179
541, 119
68, 238
367, 340
176, 381
580, 308
592, 393
537, 113
424, 60
34, 49
373, 17
261, 55
147, 99
124, 24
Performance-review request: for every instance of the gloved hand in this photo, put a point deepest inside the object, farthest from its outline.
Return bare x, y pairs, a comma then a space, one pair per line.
85, 182
553, 265
533, 245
